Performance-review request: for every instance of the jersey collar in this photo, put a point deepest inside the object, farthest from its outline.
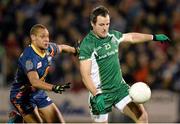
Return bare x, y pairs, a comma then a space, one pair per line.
42, 55
94, 35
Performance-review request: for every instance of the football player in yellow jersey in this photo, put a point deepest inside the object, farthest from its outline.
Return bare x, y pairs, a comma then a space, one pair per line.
28, 89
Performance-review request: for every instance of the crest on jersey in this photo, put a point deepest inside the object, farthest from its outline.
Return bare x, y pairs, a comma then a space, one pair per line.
29, 65
107, 46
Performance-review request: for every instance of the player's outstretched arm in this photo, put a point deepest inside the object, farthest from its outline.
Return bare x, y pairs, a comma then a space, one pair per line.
140, 37
66, 48
70, 49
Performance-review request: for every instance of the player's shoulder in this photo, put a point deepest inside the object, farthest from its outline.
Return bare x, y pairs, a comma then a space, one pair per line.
87, 38
116, 33
87, 41
27, 53
51, 47
51, 44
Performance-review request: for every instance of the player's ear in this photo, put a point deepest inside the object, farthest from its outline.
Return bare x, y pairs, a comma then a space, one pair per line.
32, 37
92, 24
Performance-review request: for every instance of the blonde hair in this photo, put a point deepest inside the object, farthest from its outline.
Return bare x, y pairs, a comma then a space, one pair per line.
35, 28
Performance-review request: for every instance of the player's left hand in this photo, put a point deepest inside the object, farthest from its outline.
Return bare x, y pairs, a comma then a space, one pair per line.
161, 38
99, 100
60, 88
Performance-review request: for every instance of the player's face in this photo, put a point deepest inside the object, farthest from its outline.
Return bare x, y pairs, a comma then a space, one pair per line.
42, 39
101, 27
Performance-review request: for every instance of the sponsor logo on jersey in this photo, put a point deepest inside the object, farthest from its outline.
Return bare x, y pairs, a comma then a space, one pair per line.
48, 99
39, 65
108, 54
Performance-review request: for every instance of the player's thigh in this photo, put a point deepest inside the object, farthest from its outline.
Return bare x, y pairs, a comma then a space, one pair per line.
33, 117
135, 111
51, 113
26, 107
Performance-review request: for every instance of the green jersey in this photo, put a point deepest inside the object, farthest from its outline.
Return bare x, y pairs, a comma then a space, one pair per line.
103, 52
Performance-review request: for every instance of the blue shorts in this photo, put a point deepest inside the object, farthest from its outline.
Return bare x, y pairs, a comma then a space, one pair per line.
26, 102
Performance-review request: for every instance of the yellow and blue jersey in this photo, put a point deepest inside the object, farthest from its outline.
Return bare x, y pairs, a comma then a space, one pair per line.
32, 60
23, 96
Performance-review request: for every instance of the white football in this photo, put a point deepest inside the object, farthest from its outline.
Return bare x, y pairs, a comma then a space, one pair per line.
140, 92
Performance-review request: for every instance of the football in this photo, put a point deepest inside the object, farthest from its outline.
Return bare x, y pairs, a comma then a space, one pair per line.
140, 92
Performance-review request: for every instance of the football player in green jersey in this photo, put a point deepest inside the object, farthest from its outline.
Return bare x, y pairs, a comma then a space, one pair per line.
101, 72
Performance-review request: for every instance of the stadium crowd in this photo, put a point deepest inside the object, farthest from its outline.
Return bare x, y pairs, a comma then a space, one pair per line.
68, 21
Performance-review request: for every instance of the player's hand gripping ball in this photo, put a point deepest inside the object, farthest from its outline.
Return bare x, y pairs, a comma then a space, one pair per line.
140, 92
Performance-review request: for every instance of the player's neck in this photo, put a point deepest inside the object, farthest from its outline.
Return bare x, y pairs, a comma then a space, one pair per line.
39, 51
94, 33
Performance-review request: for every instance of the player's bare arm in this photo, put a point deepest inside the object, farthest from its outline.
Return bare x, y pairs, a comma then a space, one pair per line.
37, 83
140, 37
136, 37
66, 48
85, 69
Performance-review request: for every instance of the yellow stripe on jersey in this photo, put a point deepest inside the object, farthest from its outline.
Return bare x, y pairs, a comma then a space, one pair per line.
45, 74
42, 55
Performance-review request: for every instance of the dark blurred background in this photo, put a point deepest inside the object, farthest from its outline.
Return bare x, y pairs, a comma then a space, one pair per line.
68, 21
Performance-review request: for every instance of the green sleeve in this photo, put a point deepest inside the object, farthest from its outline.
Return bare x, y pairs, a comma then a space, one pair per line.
86, 50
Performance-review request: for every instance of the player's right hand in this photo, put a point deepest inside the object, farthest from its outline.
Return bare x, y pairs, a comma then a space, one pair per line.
60, 88
99, 100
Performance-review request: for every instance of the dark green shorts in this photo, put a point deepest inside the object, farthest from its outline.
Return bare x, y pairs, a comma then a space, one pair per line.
110, 99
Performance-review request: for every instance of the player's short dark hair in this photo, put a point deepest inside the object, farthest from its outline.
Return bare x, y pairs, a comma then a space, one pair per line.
35, 28
98, 11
